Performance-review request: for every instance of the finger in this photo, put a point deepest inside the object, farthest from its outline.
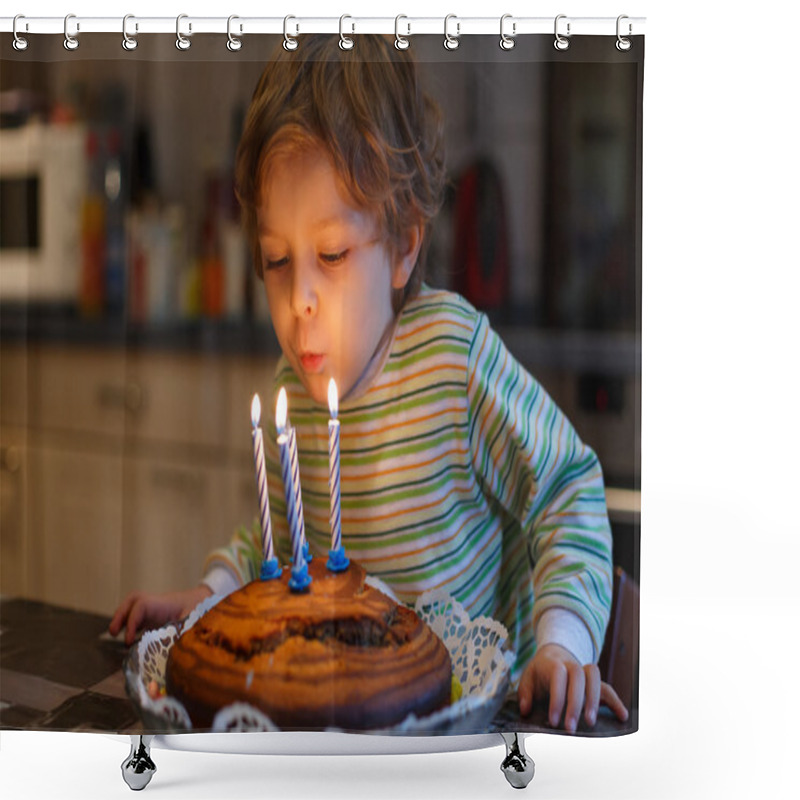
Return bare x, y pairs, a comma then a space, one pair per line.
135, 618
525, 691
558, 690
611, 699
115, 626
575, 692
593, 684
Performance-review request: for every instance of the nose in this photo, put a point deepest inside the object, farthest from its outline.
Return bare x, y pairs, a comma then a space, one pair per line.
304, 292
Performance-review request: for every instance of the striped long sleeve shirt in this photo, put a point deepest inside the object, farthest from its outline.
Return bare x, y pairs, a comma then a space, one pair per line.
458, 472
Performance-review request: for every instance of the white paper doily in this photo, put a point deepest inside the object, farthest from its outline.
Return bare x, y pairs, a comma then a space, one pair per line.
480, 662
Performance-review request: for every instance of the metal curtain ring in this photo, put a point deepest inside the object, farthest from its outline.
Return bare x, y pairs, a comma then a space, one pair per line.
400, 42
289, 42
507, 42
561, 42
20, 43
623, 44
182, 43
345, 42
128, 42
450, 41
70, 42
234, 42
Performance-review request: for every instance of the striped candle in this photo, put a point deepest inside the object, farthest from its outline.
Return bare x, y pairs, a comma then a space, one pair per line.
333, 467
337, 560
300, 578
295, 462
261, 477
269, 567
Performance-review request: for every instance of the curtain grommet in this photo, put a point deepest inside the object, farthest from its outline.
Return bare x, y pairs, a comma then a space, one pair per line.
507, 41
450, 41
623, 44
182, 42
561, 42
234, 43
70, 41
345, 42
401, 42
129, 42
20, 42
289, 42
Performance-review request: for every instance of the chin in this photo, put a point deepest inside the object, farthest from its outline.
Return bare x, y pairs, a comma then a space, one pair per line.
317, 387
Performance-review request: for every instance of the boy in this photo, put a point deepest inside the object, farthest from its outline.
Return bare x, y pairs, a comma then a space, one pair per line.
457, 470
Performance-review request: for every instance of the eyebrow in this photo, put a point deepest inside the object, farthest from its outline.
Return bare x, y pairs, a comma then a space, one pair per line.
345, 220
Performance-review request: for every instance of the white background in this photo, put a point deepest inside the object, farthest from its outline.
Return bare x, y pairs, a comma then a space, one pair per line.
720, 714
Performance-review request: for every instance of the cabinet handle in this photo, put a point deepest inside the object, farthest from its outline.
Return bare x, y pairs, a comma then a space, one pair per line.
129, 397
10, 459
134, 397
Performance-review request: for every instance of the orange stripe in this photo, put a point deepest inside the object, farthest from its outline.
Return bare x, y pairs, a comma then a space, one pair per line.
406, 422
408, 378
427, 325
407, 553
404, 511
417, 465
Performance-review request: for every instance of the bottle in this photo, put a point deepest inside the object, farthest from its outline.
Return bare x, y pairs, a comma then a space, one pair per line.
93, 232
212, 273
115, 261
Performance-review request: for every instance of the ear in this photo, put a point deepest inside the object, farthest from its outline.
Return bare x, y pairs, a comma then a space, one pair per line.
406, 261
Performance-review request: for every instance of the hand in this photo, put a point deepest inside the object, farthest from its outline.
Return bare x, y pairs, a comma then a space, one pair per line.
555, 673
141, 611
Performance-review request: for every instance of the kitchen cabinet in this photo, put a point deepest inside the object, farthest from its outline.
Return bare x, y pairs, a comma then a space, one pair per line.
75, 533
13, 522
121, 468
15, 368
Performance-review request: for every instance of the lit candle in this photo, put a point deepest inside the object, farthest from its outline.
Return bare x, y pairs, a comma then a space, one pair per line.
300, 579
269, 566
337, 560
295, 462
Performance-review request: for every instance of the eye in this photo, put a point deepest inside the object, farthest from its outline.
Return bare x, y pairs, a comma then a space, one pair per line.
275, 263
334, 258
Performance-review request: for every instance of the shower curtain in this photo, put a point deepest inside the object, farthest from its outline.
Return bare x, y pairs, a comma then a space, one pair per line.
135, 330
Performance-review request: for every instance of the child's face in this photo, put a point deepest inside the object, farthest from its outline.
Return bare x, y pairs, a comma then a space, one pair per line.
328, 276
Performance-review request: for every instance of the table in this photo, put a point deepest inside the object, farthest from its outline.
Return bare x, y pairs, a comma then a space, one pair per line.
60, 670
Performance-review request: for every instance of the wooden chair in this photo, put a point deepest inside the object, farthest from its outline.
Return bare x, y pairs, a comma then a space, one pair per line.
619, 659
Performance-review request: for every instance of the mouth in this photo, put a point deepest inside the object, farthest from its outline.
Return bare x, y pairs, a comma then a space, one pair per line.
312, 363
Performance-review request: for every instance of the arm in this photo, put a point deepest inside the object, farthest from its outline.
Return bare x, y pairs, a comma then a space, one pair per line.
142, 610
529, 459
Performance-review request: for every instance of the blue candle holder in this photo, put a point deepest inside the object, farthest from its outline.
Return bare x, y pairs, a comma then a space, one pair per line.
306, 552
300, 580
270, 569
337, 560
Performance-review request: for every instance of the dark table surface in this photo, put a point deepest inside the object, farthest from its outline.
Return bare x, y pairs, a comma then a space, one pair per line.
60, 670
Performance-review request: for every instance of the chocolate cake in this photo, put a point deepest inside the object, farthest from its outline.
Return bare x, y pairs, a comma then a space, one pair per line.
342, 654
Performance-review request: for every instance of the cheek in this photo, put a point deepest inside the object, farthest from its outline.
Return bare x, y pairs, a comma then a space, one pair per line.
275, 299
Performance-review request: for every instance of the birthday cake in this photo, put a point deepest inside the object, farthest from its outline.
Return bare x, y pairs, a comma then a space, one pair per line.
341, 654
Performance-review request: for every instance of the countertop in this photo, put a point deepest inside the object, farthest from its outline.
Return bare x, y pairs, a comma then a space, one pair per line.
60, 670
606, 352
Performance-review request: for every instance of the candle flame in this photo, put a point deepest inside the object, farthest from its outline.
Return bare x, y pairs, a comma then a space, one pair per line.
333, 398
281, 410
255, 410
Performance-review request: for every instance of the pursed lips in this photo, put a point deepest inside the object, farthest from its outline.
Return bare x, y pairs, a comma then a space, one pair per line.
311, 362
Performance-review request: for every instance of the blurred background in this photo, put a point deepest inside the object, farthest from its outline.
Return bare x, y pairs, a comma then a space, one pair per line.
133, 333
